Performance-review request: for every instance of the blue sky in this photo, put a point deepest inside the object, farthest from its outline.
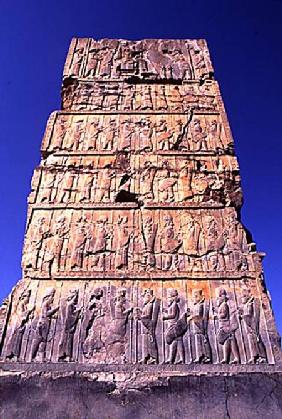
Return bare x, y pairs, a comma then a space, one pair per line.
245, 40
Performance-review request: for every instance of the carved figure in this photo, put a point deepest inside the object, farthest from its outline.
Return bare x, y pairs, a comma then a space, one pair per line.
149, 231
199, 137
214, 135
227, 326
70, 316
46, 187
20, 321
146, 181
105, 177
66, 187
99, 245
95, 312
122, 238
108, 134
35, 243
177, 327
148, 316
81, 235
167, 180
164, 135
184, 181
41, 334
86, 187
116, 336
145, 135
198, 318
170, 243
92, 135
249, 313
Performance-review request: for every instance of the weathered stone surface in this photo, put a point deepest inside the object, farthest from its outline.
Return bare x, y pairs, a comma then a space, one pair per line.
135, 257
140, 395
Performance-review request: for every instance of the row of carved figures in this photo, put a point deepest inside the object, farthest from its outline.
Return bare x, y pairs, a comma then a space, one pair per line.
107, 328
151, 184
141, 135
116, 246
150, 60
127, 97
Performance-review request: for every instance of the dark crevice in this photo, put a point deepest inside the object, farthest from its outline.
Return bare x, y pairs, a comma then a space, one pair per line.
125, 196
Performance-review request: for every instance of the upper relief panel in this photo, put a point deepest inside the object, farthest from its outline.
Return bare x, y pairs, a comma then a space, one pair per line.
149, 59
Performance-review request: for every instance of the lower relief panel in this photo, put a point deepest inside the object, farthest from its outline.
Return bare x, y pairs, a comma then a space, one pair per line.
150, 322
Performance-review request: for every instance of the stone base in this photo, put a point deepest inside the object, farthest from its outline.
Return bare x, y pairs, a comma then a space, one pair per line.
139, 392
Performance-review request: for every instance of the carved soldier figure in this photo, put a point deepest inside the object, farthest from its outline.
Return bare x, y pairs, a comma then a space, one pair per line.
146, 181
214, 245
75, 138
235, 241
66, 187
175, 99
148, 316
86, 186
93, 342
184, 181
70, 316
60, 133
198, 318
179, 135
170, 243
60, 234
108, 134
81, 235
32, 250
161, 103
47, 187
214, 135
167, 180
199, 137
122, 240
105, 57
164, 135
145, 135
99, 244
176, 328
126, 133
77, 61
250, 314
116, 335
149, 231
227, 326
104, 181
146, 101
41, 334
92, 62
92, 135
20, 320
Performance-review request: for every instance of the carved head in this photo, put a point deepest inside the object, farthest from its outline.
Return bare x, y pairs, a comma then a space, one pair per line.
172, 295
197, 295
25, 296
148, 295
246, 295
97, 293
73, 296
221, 296
49, 295
120, 295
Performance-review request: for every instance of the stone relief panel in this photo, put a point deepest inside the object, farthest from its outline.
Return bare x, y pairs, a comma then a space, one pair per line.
110, 242
146, 322
149, 59
149, 180
118, 96
165, 134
